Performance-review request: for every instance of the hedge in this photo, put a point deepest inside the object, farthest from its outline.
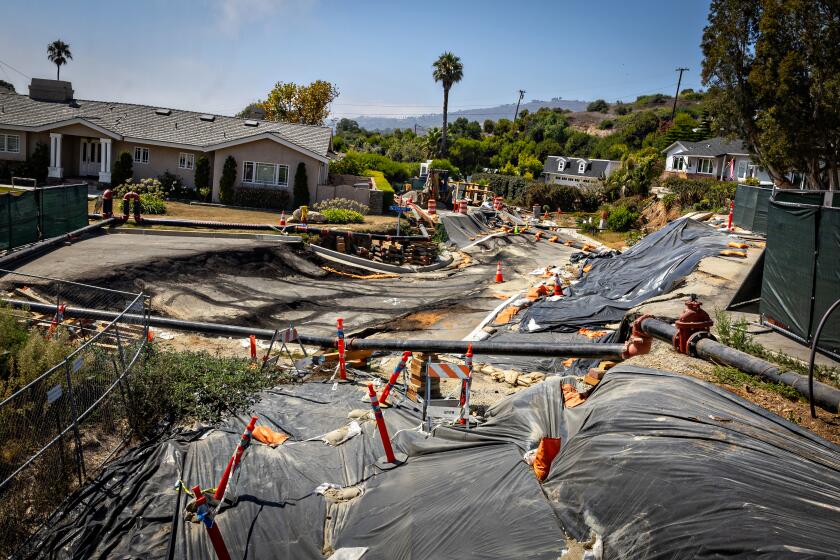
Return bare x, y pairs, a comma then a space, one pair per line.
703, 194
510, 187
261, 198
383, 185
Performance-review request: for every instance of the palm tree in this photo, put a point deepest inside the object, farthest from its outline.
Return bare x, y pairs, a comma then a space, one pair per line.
58, 52
432, 143
448, 70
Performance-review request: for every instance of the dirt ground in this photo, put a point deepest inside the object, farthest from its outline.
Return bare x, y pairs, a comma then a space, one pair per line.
184, 211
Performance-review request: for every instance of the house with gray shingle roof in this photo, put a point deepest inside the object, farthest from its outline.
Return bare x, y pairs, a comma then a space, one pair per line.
85, 137
577, 172
718, 158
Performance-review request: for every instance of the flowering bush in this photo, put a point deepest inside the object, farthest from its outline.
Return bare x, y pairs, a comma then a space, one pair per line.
339, 216
144, 186
342, 204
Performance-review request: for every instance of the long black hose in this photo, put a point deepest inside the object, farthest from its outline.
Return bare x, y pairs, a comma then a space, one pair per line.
813, 355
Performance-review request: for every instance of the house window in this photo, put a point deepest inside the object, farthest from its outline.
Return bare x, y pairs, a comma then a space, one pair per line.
561, 165
678, 163
265, 173
10, 143
742, 169
141, 155
581, 167
705, 166
186, 161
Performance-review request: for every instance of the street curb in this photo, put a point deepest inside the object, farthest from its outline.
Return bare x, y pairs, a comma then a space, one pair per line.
210, 234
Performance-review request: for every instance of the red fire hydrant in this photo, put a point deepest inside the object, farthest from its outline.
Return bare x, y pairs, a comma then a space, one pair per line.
693, 324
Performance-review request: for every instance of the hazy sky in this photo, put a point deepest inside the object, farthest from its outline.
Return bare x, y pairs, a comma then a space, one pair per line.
218, 55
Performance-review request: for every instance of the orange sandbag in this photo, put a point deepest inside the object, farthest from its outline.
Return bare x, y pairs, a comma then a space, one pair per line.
536, 292
587, 268
506, 315
553, 239
731, 253
546, 452
736, 245
571, 397
268, 436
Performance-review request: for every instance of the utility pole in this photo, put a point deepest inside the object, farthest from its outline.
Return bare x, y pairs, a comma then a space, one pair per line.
677, 95
521, 95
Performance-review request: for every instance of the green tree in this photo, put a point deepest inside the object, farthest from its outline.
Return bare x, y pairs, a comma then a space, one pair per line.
58, 52
7, 86
447, 70
123, 169
433, 142
290, 102
773, 67
599, 105
301, 187
637, 172
252, 110
38, 164
227, 180
202, 174
488, 126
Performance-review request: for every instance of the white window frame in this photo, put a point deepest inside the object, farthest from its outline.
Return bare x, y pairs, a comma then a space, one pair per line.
561, 165
186, 161
139, 152
679, 163
253, 168
703, 163
582, 167
4, 143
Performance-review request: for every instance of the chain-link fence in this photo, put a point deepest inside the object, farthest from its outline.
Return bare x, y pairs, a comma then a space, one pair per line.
65, 391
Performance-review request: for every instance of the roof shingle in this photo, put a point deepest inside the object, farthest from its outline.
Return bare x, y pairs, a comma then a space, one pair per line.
142, 122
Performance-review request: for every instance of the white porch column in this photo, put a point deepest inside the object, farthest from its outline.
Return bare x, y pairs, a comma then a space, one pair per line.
55, 171
105, 168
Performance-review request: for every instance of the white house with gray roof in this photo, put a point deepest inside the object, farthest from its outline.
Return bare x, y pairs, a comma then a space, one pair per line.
577, 172
85, 137
718, 158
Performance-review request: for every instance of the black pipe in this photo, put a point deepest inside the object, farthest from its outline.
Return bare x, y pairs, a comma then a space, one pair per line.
576, 349
825, 396
53, 241
292, 228
813, 355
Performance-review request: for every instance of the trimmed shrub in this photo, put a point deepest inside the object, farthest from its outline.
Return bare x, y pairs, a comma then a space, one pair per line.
202, 173
708, 194
342, 204
383, 185
123, 169
171, 184
275, 199
152, 204
622, 219
510, 187
553, 196
227, 180
143, 186
301, 188
341, 216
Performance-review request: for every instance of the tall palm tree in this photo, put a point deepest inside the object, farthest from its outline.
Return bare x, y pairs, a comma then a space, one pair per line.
58, 52
448, 70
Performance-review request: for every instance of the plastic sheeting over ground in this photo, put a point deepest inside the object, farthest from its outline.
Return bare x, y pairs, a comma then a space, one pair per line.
614, 286
652, 465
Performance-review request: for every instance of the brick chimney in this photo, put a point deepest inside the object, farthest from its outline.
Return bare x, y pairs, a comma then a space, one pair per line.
51, 90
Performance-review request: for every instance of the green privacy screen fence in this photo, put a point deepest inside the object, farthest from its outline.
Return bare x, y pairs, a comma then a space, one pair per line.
40, 214
751, 204
802, 266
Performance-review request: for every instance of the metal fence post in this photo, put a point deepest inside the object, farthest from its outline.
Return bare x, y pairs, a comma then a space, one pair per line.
80, 462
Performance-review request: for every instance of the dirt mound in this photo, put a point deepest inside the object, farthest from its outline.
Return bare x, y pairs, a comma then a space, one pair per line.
655, 216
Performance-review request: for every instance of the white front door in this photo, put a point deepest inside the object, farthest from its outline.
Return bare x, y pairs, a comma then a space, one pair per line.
91, 157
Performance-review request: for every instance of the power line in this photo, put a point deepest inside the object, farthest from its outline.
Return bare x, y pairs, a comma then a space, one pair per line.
15, 69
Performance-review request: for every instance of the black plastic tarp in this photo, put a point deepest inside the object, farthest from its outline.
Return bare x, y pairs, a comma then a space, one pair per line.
653, 465
615, 285
464, 229
751, 204
801, 277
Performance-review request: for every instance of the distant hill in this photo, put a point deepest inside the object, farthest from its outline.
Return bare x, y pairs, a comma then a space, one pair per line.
385, 124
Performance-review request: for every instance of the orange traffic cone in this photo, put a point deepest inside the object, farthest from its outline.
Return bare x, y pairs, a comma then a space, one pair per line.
499, 277
558, 289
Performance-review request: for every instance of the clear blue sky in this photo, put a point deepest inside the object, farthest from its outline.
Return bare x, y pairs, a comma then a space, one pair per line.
218, 55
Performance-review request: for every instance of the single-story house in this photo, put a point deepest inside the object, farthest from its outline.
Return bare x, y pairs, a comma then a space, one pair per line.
719, 158
577, 172
86, 137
